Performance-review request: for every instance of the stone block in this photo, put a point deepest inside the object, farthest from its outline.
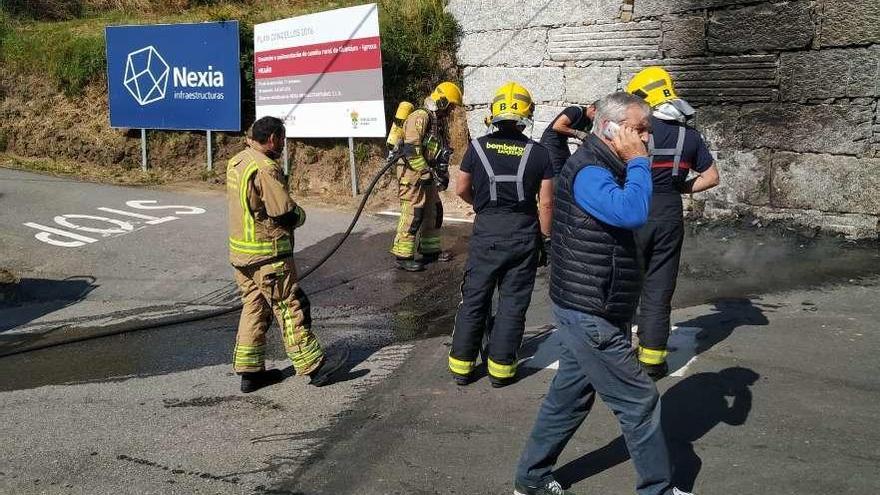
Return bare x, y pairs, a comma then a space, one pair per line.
538, 129
704, 80
622, 40
545, 83
588, 84
831, 73
767, 26
651, 8
853, 226
546, 113
489, 15
840, 184
475, 121
718, 126
684, 37
521, 48
851, 22
745, 178
839, 129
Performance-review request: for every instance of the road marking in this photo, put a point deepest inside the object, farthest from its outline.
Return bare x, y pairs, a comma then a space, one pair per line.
682, 347
182, 210
120, 227
45, 236
150, 220
123, 226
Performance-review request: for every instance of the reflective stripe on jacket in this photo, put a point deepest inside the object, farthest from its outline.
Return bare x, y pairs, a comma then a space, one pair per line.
257, 193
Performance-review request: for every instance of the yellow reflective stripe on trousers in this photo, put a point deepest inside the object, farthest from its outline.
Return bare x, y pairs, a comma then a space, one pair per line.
501, 370
460, 367
248, 356
652, 356
277, 247
246, 215
305, 353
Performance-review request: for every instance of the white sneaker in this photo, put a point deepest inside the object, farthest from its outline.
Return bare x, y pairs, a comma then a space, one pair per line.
676, 491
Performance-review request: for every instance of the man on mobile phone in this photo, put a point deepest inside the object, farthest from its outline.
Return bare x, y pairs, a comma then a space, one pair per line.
601, 197
676, 150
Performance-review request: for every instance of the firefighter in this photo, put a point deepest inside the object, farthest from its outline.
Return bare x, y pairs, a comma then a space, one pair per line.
262, 217
501, 175
676, 150
575, 121
422, 171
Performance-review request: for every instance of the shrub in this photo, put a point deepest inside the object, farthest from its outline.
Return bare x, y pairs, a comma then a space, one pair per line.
49, 10
79, 61
416, 37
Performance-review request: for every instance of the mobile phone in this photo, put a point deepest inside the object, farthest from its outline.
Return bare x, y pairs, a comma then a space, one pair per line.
611, 129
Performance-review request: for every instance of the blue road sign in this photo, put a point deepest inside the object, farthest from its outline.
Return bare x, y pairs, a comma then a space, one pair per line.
174, 76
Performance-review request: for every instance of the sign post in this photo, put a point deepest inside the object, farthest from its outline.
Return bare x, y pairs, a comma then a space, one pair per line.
174, 77
354, 176
210, 152
144, 150
322, 75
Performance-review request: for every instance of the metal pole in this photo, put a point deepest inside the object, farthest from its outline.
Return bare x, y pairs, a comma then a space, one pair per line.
286, 163
354, 176
144, 150
210, 153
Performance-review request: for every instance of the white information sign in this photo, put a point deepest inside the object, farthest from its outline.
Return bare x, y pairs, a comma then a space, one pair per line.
322, 73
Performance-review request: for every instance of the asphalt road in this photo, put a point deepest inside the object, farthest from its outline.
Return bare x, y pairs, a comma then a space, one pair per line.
158, 410
774, 385
94, 255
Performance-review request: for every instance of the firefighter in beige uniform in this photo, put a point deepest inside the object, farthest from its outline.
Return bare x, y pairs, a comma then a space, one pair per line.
262, 217
421, 212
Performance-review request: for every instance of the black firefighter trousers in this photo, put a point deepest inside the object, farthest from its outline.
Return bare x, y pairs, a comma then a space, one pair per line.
510, 265
659, 243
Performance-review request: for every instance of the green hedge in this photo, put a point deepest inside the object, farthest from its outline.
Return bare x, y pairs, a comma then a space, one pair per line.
417, 36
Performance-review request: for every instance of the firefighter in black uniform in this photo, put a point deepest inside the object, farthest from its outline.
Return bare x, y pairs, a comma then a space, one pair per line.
502, 174
676, 149
575, 121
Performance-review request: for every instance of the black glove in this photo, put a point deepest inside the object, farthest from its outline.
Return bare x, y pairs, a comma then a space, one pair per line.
442, 180
544, 252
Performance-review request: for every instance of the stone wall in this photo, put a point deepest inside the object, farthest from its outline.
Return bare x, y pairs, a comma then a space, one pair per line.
787, 93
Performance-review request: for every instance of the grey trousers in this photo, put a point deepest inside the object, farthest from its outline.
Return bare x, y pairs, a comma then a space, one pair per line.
597, 357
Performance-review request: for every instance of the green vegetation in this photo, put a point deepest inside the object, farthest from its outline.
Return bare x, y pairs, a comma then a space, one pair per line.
66, 36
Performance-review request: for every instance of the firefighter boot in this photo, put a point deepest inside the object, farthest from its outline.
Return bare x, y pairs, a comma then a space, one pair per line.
410, 265
442, 257
328, 368
655, 371
255, 380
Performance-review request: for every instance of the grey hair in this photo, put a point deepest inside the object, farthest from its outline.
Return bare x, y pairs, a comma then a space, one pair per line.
613, 108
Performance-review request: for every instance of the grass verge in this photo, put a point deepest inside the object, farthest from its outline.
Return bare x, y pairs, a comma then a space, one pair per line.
82, 171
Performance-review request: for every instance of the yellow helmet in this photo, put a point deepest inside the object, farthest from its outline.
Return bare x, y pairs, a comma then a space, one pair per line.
446, 93
653, 84
512, 102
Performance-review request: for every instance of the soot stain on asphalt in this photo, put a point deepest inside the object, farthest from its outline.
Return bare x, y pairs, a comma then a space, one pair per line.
177, 470
719, 261
359, 279
256, 401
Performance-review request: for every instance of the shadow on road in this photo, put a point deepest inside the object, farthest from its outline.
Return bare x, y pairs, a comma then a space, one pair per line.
691, 409
33, 298
728, 315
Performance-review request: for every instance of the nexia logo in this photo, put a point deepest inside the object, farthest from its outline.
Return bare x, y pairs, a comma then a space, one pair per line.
146, 76
206, 79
